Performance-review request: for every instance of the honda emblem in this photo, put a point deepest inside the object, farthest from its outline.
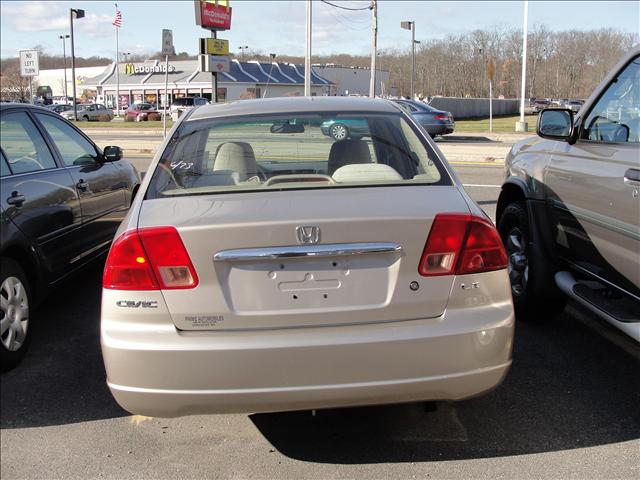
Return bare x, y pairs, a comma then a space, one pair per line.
308, 234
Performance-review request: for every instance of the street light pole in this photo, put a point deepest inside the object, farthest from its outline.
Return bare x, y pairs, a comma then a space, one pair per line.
242, 49
307, 53
413, 57
522, 126
411, 25
374, 47
64, 57
79, 14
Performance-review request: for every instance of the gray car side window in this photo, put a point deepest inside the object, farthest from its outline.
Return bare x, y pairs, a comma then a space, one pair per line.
4, 166
616, 116
24, 147
73, 147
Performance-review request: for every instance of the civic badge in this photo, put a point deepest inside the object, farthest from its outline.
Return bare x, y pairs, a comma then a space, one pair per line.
308, 234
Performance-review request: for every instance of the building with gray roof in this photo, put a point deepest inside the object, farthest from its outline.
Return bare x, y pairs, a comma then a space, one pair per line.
144, 82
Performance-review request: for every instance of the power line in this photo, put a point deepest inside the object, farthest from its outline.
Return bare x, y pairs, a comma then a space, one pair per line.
346, 8
349, 24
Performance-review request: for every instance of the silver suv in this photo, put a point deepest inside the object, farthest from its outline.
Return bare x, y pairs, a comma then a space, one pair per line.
569, 210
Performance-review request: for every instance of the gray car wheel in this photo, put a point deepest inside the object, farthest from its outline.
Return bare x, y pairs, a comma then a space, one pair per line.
14, 313
338, 131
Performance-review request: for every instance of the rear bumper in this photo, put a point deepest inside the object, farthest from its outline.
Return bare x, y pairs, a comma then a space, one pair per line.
174, 402
438, 128
160, 371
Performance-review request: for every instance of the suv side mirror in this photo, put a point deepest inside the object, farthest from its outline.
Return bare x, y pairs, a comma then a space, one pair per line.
555, 124
112, 153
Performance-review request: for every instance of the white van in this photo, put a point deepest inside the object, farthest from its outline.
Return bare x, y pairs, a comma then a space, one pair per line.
179, 105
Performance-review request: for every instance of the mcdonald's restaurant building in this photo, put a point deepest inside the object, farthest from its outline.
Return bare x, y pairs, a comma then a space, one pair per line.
145, 82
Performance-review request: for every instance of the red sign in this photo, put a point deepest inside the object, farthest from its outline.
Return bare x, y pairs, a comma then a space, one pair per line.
213, 16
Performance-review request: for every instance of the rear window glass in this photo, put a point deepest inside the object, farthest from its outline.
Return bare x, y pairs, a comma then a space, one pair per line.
257, 153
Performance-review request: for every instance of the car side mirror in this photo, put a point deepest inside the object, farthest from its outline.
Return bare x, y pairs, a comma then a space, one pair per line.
112, 153
555, 124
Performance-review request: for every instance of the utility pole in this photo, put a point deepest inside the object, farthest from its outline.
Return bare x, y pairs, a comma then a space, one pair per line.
307, 54
374, 47
522, 126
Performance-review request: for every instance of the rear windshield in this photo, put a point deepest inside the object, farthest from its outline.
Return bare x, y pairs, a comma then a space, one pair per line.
183, 101
293, 151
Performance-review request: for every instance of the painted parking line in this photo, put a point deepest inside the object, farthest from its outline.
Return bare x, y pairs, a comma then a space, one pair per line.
480, 185
476, 164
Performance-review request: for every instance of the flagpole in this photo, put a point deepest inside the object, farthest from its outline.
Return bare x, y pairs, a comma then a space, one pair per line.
117, 69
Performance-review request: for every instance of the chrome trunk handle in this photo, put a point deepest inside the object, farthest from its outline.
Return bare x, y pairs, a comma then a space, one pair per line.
306, 251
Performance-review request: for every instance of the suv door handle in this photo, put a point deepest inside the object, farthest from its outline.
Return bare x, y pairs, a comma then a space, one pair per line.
632, 176
82, 185
16, 199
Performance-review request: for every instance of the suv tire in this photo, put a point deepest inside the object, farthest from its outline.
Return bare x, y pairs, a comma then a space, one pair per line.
515, 232
14, 314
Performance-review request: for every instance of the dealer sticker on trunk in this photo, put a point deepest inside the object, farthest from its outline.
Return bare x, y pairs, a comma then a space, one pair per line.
204, 320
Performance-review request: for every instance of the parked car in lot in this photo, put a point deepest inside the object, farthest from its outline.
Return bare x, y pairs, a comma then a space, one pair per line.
574, 105
62, 200
341, 129
538, 105
90, 112
62, 100
59, 108
263, 267
569, 210
434, 121
181, 105
140, 112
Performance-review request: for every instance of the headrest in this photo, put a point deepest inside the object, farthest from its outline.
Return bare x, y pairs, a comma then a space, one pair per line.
237, 157
347, 152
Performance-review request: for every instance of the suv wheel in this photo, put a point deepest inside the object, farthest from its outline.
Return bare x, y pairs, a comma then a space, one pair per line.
15, 296
514, 230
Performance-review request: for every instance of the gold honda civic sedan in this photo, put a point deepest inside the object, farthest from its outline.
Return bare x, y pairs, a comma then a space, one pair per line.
266, 267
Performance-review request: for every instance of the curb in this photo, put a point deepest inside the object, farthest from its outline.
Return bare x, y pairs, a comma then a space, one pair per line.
147, 152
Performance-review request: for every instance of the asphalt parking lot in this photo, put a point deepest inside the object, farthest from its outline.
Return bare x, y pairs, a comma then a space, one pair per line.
567, 409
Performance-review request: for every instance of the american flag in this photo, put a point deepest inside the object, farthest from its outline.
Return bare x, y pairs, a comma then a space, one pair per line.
117, 21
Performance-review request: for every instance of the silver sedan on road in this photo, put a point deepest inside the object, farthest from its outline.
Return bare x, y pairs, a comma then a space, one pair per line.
265, 266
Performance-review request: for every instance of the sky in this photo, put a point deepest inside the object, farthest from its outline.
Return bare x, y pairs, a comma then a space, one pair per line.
279, 26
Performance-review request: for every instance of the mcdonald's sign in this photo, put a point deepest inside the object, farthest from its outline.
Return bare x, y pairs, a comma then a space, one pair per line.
213, 15
131, 69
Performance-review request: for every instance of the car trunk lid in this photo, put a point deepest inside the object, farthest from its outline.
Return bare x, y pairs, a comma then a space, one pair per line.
306, 258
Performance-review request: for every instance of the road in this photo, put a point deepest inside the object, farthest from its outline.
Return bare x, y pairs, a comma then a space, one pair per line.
567, 409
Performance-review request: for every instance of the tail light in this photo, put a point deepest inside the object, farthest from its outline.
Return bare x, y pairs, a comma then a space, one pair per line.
460, 244
149, 259
442, 116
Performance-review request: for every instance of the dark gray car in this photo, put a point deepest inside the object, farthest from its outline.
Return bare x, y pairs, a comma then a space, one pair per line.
434, 121
62, 199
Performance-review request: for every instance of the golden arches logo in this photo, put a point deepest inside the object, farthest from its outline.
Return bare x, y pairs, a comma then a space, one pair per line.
129, 69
